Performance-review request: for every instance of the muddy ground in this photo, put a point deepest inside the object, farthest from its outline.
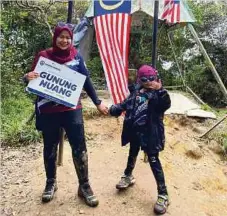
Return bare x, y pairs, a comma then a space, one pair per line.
196, 177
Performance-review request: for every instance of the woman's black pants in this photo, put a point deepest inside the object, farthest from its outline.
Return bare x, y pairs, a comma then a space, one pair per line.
72, 123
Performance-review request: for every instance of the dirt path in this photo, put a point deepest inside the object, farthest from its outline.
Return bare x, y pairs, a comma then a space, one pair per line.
197, 187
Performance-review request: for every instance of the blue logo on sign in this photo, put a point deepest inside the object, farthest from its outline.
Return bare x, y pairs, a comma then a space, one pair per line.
42, 63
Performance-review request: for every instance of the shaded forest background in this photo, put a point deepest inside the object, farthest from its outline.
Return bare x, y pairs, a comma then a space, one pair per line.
26, 29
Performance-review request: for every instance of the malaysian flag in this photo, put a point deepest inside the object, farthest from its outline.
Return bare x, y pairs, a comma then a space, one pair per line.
171, 11
112, 25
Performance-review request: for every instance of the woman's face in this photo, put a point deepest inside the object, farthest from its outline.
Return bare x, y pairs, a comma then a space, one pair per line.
64, 40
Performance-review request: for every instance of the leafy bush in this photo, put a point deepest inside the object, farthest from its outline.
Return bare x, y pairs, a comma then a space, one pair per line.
96, 71
15, 113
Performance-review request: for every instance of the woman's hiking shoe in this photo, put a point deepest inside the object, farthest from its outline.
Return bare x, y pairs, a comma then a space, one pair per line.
125, 182
48, 193
161, 205
86, 193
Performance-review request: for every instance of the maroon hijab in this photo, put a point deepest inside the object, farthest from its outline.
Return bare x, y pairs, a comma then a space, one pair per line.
55, 53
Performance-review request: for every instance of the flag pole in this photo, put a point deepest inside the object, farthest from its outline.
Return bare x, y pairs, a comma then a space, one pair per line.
154, 46
70, 11
155, 33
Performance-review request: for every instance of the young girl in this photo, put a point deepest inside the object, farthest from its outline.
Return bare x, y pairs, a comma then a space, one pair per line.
143, 128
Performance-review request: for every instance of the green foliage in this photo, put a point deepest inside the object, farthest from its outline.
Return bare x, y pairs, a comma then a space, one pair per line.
220, 112
195, 70
24, 33
15, 113
209, 16
220, 135
141, 48
140, 40
206, 107
96, 70
225, 143
21, 39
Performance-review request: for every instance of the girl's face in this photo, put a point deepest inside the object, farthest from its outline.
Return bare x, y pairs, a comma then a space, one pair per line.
147, 82
64, 40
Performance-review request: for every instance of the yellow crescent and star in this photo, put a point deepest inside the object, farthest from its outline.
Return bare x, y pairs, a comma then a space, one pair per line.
110, 7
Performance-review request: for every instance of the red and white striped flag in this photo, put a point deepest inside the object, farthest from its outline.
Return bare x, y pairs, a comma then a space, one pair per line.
171, 11
112, 34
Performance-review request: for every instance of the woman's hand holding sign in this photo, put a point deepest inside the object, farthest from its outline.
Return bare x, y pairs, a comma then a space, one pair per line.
31, 75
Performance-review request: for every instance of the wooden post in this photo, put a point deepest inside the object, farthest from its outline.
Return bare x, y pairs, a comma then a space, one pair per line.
61, 148
213, 69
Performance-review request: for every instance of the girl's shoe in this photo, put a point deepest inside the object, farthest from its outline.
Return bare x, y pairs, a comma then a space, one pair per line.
161, 205
125, 182
85, 192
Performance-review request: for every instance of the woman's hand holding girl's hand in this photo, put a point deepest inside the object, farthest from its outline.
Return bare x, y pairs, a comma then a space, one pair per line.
103, 109
31, 75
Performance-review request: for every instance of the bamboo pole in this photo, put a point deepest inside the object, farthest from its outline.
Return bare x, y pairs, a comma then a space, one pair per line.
196, 96
213, 69
215, 125
173, 87
175, 57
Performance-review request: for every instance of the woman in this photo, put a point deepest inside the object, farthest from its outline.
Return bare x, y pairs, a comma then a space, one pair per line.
50, 117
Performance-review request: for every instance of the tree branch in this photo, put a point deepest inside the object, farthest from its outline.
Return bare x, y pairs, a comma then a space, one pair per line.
41, 11
20, 4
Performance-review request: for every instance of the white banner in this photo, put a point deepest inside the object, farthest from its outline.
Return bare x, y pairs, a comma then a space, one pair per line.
57, 82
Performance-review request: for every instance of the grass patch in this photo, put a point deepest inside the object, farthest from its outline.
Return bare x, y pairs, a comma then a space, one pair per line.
220, 112
15, 113
219, 134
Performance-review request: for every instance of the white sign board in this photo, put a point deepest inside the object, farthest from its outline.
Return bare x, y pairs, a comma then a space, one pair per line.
57, 82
